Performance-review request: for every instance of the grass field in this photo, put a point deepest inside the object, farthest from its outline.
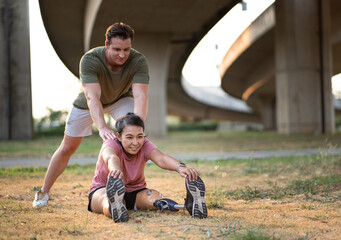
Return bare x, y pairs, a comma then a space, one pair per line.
179, 143
278, 198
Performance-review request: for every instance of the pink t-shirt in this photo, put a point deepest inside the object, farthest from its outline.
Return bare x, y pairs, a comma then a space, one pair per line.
132, 168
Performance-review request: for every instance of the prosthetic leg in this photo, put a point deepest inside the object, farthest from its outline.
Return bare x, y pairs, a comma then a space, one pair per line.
194, 201
168, 204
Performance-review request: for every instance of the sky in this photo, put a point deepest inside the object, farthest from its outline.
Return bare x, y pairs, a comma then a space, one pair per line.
214, 48
55, 87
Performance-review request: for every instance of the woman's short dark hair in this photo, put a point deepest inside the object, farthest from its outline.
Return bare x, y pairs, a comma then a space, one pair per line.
130, 119
120, 30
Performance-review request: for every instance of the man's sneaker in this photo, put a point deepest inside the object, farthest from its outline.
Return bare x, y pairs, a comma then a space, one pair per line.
195, 198
40, 199
166, 204
115, 192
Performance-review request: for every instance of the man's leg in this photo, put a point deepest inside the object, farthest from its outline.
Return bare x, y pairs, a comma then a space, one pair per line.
60, 159
57, 165
78, 125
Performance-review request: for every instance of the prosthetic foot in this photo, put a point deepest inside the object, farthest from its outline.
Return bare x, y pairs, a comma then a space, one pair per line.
167, 204
195, 198
115, 192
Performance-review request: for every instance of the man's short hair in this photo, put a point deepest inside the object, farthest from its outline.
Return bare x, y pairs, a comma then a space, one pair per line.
120, 30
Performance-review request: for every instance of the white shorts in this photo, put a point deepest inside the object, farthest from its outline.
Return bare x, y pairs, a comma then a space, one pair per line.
79, 121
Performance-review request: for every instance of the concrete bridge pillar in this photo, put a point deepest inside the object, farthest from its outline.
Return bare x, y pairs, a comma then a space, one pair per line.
303, 67
15, 74
156, 48
267, 111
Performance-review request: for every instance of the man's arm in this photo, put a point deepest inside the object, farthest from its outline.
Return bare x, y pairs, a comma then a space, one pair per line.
93, 93
140, 93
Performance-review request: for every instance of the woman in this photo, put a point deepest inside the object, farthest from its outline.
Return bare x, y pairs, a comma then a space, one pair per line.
119, 183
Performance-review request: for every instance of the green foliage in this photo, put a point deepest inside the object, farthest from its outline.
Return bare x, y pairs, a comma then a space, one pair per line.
193, 142
310, 181
216, 199
304, 165
228, 231
48, 132
315, 185
253, 234
36, 188
338, 121
77, 229
26, 171
54, 119
81, 169
32, 171
296, 187
194, 126
250, 193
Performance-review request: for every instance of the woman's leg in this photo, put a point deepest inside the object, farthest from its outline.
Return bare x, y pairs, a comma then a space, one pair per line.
146, 198
100, 202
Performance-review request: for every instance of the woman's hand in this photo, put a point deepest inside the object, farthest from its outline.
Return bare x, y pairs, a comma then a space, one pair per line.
116, 173
191, 173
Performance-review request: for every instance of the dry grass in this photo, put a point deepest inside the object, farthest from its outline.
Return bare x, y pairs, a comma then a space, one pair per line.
297, 215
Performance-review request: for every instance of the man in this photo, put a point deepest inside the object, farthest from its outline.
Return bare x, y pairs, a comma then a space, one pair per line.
114, 80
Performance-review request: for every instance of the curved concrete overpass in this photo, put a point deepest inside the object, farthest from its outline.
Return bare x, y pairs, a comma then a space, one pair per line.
166, 32
269, 64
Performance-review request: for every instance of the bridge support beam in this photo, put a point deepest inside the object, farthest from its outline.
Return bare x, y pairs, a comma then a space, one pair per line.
303, 67
15, 74
156, 48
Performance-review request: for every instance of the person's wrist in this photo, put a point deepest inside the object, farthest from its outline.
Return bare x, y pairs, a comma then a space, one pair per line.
180, 164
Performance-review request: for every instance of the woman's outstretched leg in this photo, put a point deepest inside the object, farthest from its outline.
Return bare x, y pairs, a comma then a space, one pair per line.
100, 202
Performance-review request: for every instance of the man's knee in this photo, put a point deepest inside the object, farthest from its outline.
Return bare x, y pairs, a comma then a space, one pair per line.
70, 145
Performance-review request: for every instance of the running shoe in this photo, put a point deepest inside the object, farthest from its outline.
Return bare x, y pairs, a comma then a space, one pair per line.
195, 198
115, 192
40, 199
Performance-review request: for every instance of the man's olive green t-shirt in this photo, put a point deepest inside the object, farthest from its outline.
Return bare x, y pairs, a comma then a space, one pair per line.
114, 85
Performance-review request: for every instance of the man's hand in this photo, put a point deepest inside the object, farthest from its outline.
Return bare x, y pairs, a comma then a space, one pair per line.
106, 133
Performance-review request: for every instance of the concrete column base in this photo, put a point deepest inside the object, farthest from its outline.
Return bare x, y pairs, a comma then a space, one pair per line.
267, 109
16, 120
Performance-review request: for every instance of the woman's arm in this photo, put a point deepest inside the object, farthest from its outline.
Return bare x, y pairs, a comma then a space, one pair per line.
113, 162
167, 162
